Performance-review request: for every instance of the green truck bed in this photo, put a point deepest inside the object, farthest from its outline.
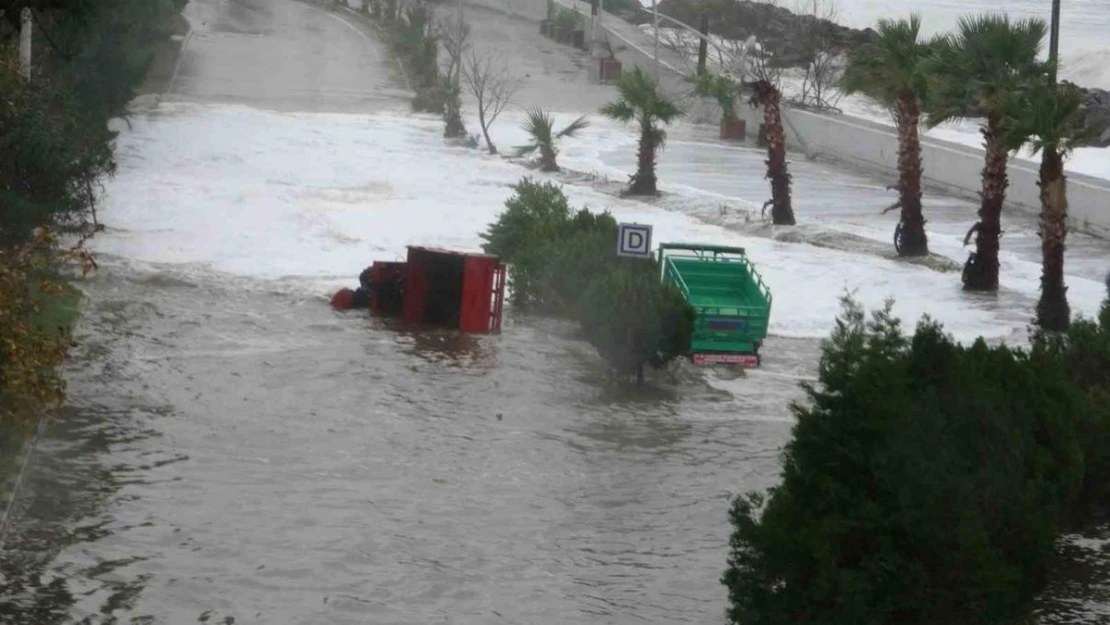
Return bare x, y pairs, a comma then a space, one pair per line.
732, 303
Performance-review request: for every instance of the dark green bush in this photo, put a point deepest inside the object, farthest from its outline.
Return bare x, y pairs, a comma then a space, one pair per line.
925, 483
1083, 352
54, 139
565, 263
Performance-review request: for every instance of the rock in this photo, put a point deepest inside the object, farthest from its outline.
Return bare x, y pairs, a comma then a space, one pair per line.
1096, 107
785, 34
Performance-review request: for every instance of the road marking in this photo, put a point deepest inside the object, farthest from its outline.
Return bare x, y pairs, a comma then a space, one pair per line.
400, 66
373, 47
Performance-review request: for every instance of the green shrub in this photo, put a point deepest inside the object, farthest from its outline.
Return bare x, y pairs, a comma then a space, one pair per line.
565, 263
925, 484
55, 145
1083, 352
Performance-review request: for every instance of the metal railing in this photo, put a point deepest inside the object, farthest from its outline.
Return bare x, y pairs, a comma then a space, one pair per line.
720, 253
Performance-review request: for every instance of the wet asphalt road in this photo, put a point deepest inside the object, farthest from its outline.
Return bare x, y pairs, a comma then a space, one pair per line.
235, 452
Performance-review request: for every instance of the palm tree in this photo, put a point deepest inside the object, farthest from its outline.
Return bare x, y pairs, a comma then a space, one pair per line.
890, 71
1051, 119
540, 127
978, 70
639, 99
767, 97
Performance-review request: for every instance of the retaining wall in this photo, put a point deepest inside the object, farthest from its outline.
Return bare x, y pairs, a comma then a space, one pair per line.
952, 167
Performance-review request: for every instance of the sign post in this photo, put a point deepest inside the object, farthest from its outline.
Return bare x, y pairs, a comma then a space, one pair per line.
634, 241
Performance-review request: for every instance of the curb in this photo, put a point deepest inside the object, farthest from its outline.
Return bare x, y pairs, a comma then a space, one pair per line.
176, 64
378, 29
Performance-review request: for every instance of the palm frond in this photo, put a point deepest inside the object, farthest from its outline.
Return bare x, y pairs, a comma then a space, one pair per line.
574, 127
640, 97
891, 65
538, 124
619, 110
525, 150
665, 111
1044, 115
982, 65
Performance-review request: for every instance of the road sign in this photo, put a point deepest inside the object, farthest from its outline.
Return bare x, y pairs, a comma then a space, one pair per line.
634, 241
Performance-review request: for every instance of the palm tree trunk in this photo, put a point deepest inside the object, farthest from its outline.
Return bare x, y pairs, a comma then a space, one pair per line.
547, 159
454, 128
1053, 312
981, 269
911, 239
782, 213
644, 181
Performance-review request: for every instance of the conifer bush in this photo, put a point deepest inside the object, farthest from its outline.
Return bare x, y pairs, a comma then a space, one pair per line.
926, 481
564, 263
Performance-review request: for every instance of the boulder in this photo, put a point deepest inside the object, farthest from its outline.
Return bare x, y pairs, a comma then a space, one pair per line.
785, 34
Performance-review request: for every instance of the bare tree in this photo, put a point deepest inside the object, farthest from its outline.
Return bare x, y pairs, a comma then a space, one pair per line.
492, 86
454, 34
823, 56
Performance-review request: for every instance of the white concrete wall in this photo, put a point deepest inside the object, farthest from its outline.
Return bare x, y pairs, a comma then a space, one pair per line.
950, 166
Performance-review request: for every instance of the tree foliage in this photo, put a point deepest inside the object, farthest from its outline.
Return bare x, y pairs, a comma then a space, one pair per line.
540, 126
640, 99
721, 87
564, 263
88, 58
981, 66
34, 329
926, 481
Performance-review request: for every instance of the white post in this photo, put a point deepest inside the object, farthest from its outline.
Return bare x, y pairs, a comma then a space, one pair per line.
655, 25
25, 44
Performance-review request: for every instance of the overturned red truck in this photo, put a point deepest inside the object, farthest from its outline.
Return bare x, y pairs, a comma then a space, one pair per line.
433, 287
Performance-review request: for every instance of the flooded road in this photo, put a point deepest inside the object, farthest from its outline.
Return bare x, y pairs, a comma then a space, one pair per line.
233, 450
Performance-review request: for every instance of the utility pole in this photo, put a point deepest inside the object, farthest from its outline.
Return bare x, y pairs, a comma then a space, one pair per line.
703, 43
25, 43
655, 29
1049, 150
1054, 42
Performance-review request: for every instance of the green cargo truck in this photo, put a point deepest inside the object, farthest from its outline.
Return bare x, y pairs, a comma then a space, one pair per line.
732, 303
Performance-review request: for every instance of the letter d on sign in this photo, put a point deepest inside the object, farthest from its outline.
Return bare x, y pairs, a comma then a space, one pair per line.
634, 241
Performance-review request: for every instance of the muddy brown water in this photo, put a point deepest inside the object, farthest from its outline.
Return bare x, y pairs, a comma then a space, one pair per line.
235, 450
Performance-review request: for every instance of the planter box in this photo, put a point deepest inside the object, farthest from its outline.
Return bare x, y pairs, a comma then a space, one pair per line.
578, 39
734, 129
609, 70
562, 34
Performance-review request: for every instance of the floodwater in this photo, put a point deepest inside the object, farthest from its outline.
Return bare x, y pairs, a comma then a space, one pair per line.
237, 452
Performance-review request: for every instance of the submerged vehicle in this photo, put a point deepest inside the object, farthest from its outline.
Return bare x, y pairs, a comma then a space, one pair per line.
730, 299
433, 286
